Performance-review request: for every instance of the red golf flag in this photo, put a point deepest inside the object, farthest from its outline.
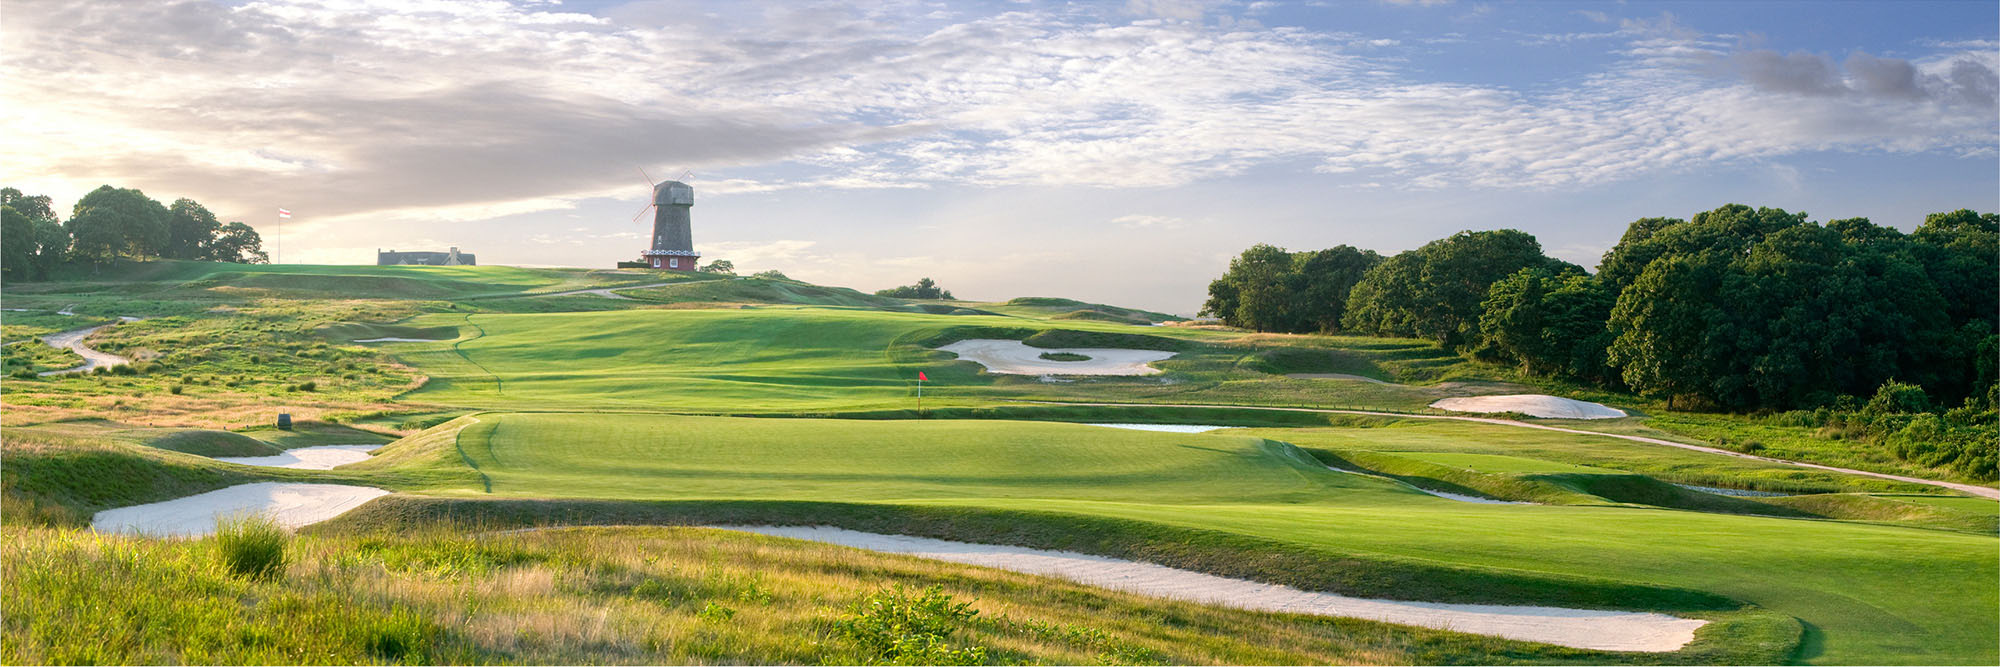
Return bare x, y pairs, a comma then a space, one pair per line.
922, 377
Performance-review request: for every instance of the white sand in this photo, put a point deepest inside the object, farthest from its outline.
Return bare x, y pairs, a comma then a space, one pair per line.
1333, 376
1738, 493
1580, 628
1014, 357
73, 341
323, 457
393, 339
1534, 405
1447, 495
291, 505
1165, 428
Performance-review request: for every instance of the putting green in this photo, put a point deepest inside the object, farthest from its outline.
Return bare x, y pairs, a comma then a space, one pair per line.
1869, 594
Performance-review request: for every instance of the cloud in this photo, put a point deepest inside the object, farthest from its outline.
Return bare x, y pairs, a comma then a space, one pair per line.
1137, 221
1962, 81
381, 110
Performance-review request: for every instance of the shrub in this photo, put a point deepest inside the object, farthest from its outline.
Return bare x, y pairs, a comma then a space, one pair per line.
252, 546
905, 629
1898, 398
1065, 356
174, 389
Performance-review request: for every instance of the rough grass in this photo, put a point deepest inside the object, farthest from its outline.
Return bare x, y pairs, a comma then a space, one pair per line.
627, 595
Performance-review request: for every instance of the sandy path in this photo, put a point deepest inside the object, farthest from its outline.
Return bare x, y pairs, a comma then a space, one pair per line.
1014, 357
72, 340
290, 504
323, 457
1580, 628
1972, 489
1533, 405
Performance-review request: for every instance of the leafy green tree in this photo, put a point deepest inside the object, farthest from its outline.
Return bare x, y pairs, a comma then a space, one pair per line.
1552, 324
35, 242
1672, 325
1266, 290
722, 266
924, 289
110, 223
1328, 277
238, 242
1438, 291
17, 244
770, 274
191, 231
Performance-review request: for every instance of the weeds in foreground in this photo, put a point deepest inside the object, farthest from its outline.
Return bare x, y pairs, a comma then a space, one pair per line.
902, 628
251, 545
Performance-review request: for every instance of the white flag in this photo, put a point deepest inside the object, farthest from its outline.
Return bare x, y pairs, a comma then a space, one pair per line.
284, 213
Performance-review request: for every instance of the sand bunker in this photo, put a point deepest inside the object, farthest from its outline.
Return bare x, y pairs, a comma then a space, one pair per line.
1014, 357
1447, 495
1534, 405
1333, 376
1580, 628
393, 339
323, 457
291, 505
1165, 428
72, 340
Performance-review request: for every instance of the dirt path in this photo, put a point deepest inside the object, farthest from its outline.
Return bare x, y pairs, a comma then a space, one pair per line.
1579, 628
1981, 491
72, 340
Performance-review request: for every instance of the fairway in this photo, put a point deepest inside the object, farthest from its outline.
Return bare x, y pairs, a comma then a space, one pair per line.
1869, 594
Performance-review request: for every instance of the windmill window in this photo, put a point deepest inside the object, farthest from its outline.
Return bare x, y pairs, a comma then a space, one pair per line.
674, 263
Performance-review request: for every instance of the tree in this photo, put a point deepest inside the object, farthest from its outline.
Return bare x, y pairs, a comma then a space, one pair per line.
1436, 292
1329, 276
722, 266
238, 242
924, 289
1265, 285
17, 244
191, 231
1552, 325
1672, 326
110, 223
769, 274
35, 242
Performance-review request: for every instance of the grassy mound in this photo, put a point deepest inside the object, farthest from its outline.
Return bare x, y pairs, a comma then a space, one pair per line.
60, 477
760, 291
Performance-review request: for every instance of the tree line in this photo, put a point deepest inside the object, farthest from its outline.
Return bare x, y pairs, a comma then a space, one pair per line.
1737, 308
114, 223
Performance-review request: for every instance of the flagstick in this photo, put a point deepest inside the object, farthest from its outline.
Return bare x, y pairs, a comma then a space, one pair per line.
920, 394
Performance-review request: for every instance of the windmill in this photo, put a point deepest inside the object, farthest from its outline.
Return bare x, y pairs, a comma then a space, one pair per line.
673, 240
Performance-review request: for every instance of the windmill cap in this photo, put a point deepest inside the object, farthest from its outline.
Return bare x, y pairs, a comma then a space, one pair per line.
664, 193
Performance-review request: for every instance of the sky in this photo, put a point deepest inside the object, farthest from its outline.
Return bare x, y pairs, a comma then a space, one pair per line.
1115, 152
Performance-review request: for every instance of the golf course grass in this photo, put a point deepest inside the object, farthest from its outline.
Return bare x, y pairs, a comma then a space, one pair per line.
529, 398
1867, 593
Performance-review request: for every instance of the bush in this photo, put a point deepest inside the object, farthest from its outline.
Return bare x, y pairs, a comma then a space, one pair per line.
1065, 356
904, 629
252, 546
1897, 398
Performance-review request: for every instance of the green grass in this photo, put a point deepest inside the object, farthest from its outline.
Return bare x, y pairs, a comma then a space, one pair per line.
1500, 463
1795, 443
1894, 583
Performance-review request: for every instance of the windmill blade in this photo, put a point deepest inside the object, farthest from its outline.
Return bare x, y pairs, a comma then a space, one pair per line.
685, 175
649, 177
649, 207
